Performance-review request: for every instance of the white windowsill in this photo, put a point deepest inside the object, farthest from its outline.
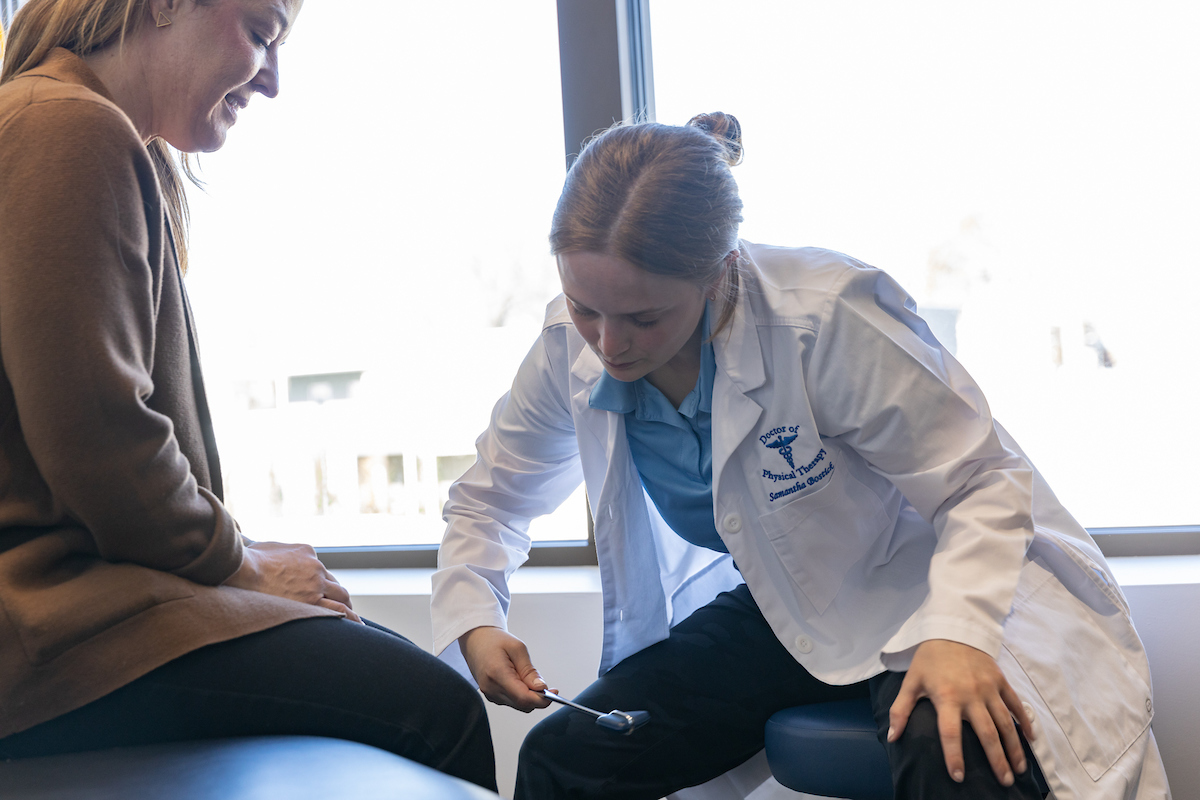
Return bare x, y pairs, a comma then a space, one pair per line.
530, 580
1156, 570
1129, 571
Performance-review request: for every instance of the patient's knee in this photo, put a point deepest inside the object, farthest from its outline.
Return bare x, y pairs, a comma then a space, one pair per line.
922, 723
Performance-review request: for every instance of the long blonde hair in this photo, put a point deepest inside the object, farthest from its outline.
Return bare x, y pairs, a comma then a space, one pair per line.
84, 26
661, 198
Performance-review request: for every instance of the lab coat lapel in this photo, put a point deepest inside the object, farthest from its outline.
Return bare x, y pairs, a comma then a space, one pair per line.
629, 563
740, 370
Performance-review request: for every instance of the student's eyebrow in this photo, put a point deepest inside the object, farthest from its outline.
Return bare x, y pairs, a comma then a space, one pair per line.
640, 313
282, 19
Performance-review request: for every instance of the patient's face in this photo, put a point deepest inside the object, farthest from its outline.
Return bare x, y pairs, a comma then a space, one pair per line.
215, 57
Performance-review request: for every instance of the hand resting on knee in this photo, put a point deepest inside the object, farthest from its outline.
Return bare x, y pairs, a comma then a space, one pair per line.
965, 683
292, 571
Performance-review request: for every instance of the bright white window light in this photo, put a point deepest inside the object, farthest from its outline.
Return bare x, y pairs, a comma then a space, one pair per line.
370, 264
1028, 170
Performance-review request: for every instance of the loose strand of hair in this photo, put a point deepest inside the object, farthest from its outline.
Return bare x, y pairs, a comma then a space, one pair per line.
729, 298
178, 212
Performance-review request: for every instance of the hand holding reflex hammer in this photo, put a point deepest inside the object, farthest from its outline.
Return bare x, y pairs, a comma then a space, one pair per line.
500, 664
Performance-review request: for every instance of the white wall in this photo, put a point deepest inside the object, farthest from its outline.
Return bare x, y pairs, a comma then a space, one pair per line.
556, 611
1164, 596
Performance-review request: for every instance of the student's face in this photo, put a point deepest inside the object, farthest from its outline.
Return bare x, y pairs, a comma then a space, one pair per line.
634, 320
219, 55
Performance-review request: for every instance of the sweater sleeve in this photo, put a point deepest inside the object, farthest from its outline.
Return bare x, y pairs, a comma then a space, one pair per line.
883, 384
81, 274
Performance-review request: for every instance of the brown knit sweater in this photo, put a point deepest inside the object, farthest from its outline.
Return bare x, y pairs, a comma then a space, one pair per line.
113, 538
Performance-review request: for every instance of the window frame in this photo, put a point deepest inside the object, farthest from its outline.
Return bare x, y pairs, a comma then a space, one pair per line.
1148, 540
604, 58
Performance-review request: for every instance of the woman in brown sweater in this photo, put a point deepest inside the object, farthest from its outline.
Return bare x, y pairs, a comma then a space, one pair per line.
131, 608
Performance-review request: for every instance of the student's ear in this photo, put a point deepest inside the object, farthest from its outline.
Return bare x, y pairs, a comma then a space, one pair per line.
731, 259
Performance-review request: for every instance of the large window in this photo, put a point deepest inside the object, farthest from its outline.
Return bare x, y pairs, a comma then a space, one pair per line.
369, 264
1028, 170
370, 261
7, 9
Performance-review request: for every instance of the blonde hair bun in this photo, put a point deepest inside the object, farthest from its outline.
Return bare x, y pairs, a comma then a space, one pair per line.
726, 129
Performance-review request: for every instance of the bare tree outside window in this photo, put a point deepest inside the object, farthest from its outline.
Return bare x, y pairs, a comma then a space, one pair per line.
1027, 171
8, 8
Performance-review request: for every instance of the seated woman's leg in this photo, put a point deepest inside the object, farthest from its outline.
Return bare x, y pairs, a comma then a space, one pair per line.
918, 765
316, 677
709, 688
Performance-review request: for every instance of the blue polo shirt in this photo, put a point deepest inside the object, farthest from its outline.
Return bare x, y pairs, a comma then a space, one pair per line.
672, 448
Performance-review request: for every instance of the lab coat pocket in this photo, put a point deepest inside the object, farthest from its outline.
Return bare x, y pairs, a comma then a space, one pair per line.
1078, 662
819, 535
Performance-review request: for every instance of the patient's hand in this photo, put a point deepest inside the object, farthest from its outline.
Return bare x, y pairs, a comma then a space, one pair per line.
500, 665
292, 571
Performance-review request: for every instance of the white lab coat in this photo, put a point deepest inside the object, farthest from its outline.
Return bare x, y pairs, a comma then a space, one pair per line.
864, 490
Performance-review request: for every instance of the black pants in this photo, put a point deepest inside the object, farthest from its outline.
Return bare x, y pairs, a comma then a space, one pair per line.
315, 677
710, 689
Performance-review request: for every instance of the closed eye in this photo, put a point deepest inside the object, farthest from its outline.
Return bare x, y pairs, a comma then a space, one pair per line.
580, 311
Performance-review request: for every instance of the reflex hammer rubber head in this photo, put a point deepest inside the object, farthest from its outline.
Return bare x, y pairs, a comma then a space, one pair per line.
625, 722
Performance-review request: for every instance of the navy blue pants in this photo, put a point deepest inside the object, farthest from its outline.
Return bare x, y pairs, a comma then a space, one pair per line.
312, 677
710, 689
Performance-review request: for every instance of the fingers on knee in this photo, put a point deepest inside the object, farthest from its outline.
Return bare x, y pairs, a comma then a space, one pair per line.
922, 723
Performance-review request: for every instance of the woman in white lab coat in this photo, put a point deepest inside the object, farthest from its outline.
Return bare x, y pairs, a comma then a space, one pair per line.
781, 417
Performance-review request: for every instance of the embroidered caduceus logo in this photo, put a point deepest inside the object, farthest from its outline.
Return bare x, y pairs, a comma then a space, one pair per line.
781, 439
784, 445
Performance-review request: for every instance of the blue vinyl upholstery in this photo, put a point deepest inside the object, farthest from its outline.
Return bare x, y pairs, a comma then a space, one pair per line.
829, 750
257, 768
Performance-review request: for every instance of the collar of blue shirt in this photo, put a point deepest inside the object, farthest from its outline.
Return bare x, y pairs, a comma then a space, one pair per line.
621, 397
